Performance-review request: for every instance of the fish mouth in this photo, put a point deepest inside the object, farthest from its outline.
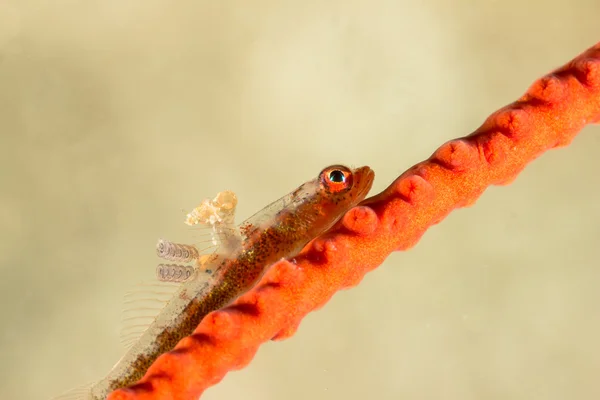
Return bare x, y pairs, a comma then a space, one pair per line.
365, 177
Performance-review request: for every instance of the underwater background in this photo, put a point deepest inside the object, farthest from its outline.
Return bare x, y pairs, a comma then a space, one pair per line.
116, 116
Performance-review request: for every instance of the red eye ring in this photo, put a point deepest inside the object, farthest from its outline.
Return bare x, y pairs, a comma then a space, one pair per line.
336, 178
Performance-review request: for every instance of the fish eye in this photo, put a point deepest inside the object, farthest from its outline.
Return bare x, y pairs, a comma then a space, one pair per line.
336, 178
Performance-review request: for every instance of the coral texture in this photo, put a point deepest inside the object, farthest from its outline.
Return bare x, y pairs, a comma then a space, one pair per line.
550, 114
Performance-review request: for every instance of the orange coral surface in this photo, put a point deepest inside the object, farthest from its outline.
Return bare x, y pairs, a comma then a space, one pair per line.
550, 114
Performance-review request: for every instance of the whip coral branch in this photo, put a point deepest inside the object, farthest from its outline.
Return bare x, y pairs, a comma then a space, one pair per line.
550, 114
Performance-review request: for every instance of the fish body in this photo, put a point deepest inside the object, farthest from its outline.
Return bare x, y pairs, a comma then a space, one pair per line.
278, 231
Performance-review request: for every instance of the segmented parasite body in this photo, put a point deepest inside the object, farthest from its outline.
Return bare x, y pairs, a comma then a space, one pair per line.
244, 254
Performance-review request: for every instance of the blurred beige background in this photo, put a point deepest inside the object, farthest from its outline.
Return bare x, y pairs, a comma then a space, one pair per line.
115, 116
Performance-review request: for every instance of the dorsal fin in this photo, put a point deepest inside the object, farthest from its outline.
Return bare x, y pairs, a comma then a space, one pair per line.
218, 215
144, 302
141, 305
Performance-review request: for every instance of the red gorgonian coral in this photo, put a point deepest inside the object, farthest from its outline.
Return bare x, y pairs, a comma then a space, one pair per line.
550, 114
